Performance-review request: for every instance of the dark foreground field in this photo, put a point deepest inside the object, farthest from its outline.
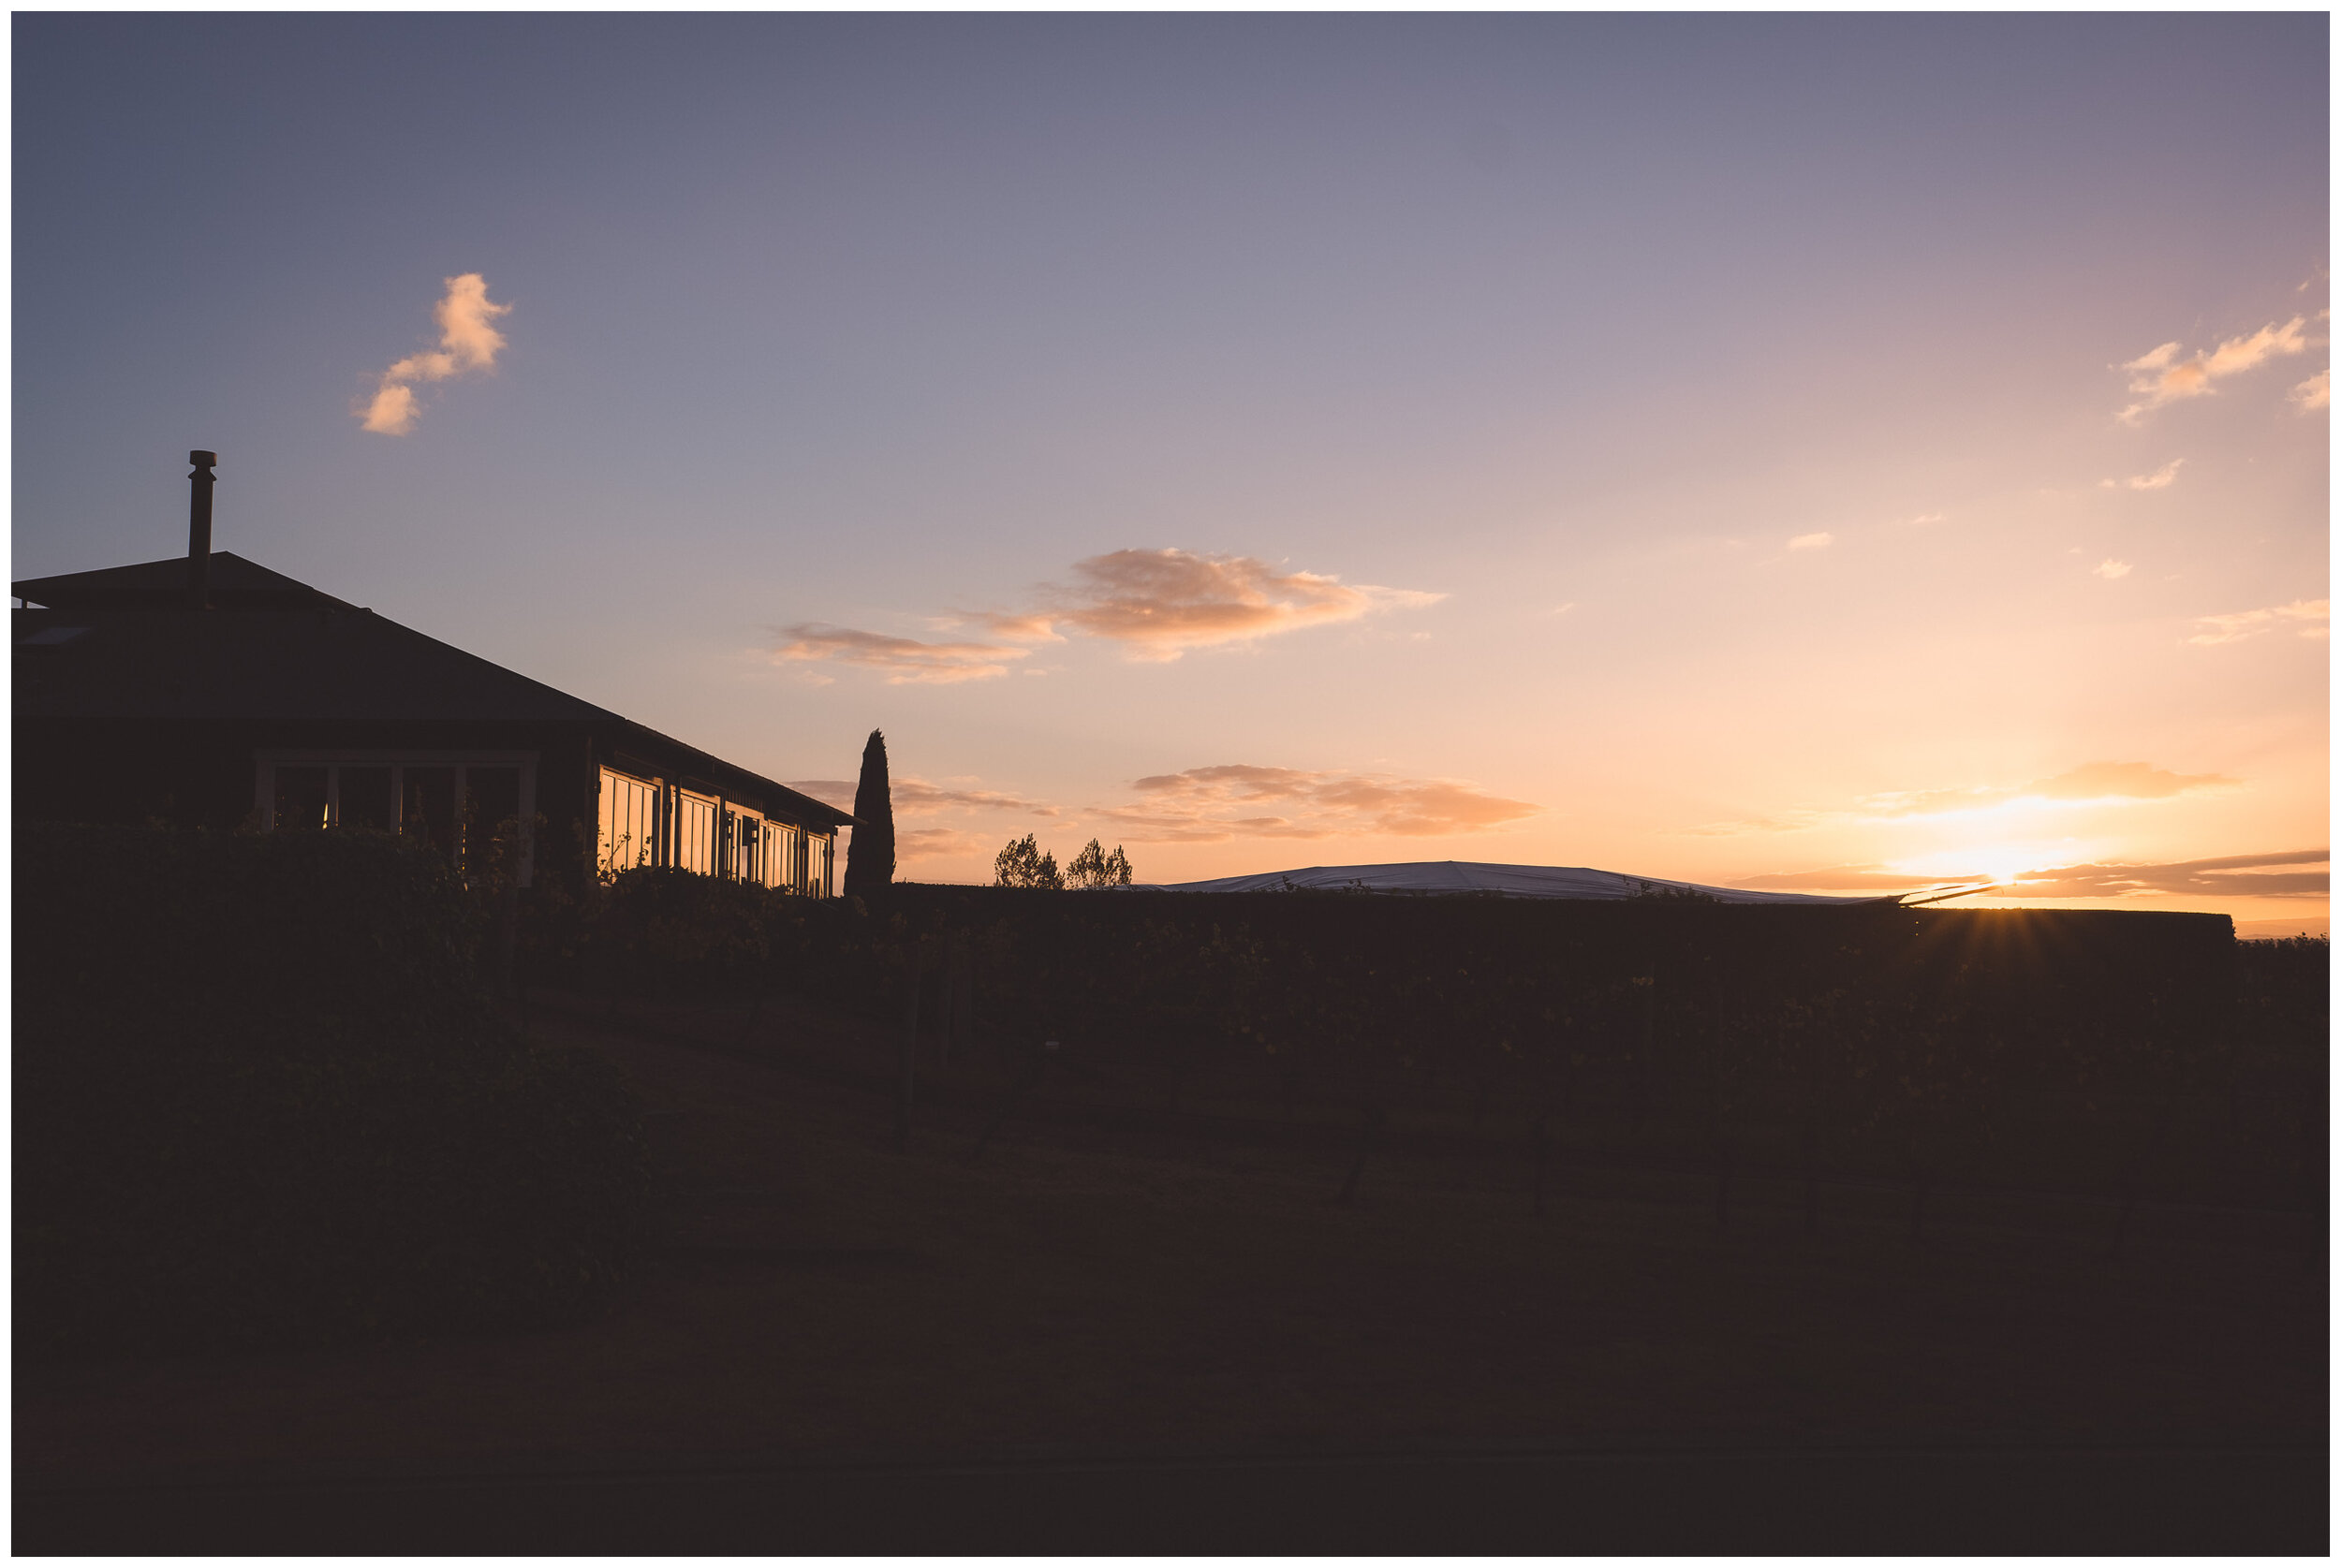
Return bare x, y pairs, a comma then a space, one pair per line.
1168, 1338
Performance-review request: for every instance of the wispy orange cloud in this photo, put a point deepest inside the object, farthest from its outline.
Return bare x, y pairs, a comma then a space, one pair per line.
2308, 618
904, 660
1205, 805
2231, 876
926, 843
1157, 604
2100, 782
2091, 781
2248, 875
920, 800
2314, 393
915, 796
1812, 541
1871, 878
468, 341
2161, 376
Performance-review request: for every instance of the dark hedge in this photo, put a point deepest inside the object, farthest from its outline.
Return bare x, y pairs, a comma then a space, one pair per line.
261, 1098
2050, 1047
1359, 985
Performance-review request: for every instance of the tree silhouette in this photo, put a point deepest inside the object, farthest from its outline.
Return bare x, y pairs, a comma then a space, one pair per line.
1022, 864
870, 854
1094, 868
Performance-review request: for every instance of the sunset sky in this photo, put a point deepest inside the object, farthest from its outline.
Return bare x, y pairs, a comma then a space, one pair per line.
1830, 453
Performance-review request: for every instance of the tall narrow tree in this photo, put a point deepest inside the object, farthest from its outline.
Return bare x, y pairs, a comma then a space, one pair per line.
870, 854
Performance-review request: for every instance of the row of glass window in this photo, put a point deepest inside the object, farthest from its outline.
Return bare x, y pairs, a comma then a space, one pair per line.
646, 821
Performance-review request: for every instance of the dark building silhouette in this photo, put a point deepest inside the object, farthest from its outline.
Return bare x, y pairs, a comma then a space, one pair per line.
209, 690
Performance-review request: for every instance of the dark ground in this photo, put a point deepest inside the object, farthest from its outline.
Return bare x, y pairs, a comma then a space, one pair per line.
1160, 1342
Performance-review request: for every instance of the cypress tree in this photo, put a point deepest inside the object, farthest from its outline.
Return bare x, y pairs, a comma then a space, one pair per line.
870, 854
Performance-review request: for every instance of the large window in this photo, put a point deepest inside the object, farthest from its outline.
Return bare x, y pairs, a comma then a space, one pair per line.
784, 847
696, 840
629, 823
478, 808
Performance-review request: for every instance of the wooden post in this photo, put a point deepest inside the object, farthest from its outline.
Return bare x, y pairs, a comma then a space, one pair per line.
962, 1030
1537, 1135
1721, 1146
2317, 1155
1920, 1147
1812, 1175
1649, 1038
909, 1054
1369, 1123
508, 941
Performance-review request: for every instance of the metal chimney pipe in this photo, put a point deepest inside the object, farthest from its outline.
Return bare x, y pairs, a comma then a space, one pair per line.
199, 529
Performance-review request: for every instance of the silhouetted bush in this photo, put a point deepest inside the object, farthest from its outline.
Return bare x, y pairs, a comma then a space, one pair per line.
261, 1098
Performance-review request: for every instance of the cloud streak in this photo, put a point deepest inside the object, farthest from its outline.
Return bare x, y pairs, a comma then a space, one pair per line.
2314, 393
2161, 478
2229, 876
468, 341
2095, 781
1206, 805
1159, 603
916, 797
1154, 604
2161, 375
2308, 618
1871, 878
2092, 782
904, 660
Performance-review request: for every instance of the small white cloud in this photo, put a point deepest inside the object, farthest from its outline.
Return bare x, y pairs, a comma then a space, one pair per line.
2110, 568
468, 341
1564, 609
1812, 541
2161, 478
1923, 518
2314, 393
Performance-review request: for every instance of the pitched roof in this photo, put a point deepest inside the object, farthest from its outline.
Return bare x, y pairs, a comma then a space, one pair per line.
232, 583
123, 644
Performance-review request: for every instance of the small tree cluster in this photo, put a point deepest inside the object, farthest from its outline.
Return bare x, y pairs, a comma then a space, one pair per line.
1094, 868
1022, 864
1025, 864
